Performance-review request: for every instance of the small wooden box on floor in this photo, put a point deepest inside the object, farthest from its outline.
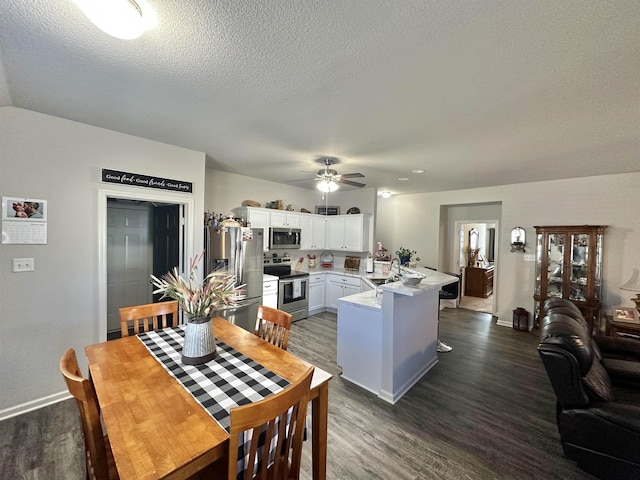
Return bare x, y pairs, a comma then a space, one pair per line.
478, 282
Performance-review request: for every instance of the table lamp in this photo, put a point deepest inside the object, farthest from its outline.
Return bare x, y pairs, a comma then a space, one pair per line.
633, 285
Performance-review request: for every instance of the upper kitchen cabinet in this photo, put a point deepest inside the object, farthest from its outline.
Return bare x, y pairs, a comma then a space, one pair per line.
348, 232
281, 218
314, 230
258, 218
569, 265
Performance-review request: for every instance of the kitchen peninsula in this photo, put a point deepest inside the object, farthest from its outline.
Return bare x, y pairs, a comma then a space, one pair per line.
386, 345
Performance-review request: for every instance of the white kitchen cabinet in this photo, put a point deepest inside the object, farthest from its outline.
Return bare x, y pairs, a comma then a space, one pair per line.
281, 218
270, 291
339, 286
258, 218
314, 228
316, 293
348, 232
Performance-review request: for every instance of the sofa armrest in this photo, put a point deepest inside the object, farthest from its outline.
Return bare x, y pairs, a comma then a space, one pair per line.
617, 347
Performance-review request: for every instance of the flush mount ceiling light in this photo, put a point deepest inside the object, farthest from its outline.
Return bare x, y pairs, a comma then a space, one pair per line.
327, 186
419, 170
119, 18
403, 179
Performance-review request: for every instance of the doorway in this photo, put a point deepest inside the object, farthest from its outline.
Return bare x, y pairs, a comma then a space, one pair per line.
144, 247
475, 255
142, 238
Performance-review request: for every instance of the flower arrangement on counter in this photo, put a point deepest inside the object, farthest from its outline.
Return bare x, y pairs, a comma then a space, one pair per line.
405, 254
199, 299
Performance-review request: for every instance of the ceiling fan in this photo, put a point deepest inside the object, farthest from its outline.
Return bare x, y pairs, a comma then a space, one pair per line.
328, 178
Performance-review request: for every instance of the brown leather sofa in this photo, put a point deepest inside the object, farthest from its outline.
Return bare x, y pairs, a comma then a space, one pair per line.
598, 413
620, 356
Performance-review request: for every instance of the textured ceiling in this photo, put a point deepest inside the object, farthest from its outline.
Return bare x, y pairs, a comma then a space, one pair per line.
476, 93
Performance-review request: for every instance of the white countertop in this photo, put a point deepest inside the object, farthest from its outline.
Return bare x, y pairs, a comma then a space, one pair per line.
365, 299
432, 280
268, 278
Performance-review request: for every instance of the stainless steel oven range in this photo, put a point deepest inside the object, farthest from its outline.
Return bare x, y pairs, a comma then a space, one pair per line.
293, 289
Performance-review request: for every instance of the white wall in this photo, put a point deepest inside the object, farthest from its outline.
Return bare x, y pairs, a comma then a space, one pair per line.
44, 312
226, 191
413, 220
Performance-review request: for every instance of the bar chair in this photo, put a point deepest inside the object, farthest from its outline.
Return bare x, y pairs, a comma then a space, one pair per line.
152, 316
447, 292
99, 459
273, 325
282, 414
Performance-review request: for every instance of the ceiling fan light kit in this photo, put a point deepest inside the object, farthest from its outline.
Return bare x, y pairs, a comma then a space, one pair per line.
122, 19
327, 186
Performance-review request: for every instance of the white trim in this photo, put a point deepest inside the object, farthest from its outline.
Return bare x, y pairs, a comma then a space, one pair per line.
33, 405
392, 398
496, 260
155, 196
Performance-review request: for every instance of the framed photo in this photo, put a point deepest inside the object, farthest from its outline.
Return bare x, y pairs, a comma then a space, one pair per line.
625, 314
322, 210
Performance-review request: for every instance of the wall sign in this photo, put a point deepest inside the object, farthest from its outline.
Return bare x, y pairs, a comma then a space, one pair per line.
127, 178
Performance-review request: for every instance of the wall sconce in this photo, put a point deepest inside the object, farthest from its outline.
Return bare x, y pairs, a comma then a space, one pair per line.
385, 194
518, 239
633, 285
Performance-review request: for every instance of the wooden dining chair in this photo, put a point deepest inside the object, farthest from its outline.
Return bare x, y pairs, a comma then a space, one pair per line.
273, 325
99, 459
152, 316
282, 414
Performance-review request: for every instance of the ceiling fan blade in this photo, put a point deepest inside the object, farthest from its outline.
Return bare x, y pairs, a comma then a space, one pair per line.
354, 184
301, 180
352, 175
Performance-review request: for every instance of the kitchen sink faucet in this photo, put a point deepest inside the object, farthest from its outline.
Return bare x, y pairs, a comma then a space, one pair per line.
396, 259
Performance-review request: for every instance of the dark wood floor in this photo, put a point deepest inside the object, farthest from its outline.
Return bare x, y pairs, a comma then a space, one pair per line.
485, 411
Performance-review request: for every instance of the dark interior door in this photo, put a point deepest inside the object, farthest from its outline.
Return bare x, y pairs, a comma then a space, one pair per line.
166, 240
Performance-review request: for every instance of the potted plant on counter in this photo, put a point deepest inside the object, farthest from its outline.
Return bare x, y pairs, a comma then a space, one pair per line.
405, 254
199, 300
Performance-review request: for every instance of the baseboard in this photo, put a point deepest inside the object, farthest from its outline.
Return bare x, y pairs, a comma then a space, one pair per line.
393, 397
33, 405
504, 323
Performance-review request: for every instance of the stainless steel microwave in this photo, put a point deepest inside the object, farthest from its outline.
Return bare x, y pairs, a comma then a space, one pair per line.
281, 238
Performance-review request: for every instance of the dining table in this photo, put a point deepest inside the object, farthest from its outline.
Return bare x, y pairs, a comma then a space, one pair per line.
157, 428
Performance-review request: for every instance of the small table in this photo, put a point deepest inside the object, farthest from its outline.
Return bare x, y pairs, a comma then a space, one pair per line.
614, 327
158, 430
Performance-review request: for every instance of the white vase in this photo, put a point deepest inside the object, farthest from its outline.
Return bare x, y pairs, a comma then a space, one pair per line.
199, 342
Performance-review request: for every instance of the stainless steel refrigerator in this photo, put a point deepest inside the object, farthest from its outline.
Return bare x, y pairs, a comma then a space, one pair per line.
239, 250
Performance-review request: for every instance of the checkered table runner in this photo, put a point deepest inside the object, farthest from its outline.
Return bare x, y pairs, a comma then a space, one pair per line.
229, 380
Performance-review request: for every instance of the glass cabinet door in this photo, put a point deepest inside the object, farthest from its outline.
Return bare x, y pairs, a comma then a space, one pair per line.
555, 267
539, 245
597, 283
578, 280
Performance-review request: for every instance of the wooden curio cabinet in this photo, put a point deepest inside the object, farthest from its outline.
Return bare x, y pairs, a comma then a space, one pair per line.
569, 265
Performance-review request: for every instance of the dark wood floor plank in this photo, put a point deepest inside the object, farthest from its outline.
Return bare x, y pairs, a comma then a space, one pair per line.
484, 412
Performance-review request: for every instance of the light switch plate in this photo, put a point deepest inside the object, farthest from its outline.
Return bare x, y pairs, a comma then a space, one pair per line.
529, 257
23, 265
